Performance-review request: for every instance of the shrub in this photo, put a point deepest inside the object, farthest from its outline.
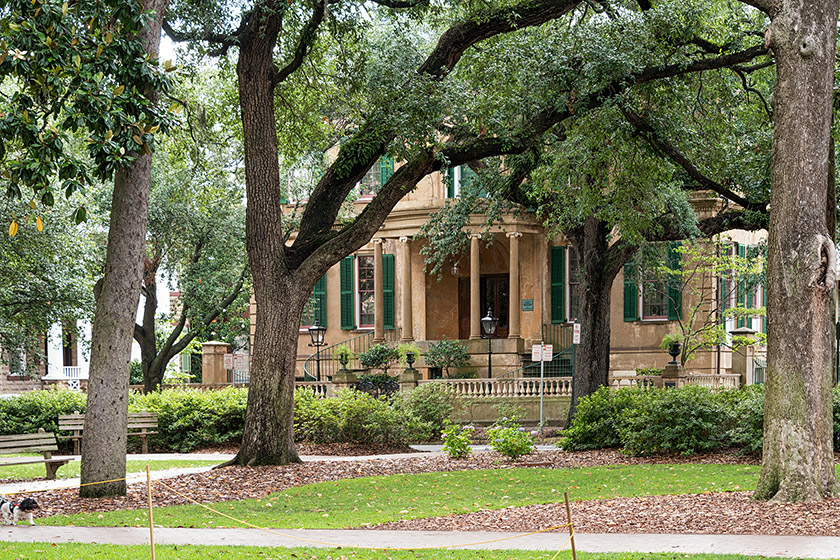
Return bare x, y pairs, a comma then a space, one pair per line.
747, 417
135, 376
25, 413
685, 421
354, 417
447, 354
598, 418
456, 440
188, 418
380, 356
510, 439
432, 403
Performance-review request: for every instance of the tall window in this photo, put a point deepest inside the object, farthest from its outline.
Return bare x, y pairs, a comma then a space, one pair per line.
365, 291
574, 284
654, 295
648, 292
457, 178
377, 175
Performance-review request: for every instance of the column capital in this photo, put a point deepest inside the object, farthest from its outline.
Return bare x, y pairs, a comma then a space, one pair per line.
378, 240
404, 239
514, 234
474, 236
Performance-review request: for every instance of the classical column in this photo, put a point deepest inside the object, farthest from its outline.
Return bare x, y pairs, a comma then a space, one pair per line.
513, 300
405, 291
475, 288
378, 293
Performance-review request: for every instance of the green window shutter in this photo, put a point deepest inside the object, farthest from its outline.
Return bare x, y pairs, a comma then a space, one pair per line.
674, 281
450, 182
558, 285
631, 291
348, 312
741, 289
386, 169
186, 362
388, 289
320, 293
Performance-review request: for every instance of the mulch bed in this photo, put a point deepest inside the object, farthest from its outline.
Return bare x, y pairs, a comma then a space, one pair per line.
710, 513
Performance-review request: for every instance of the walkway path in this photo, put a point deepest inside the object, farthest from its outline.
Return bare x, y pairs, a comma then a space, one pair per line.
754, 545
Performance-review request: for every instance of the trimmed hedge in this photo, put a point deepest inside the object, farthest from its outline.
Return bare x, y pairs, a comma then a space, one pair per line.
25, 413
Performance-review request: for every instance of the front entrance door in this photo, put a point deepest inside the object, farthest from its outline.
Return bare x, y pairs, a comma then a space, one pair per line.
493, 293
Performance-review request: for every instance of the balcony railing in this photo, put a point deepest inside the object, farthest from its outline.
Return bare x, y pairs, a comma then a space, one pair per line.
508, 388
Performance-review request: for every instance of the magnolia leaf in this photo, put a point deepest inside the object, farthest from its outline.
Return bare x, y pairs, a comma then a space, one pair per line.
39, 224
13, 229
118, 90
64, 8
33, 204
77, 60
137, 140
108, 38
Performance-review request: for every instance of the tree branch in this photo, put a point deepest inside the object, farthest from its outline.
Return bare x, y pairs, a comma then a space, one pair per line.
669, 150
307, 37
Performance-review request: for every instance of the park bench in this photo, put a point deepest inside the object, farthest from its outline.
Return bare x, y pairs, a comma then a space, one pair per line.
141, 424
41, 442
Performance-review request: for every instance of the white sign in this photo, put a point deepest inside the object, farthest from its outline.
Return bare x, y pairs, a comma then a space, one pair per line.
228, 361
542, 353
576, 333
240, 362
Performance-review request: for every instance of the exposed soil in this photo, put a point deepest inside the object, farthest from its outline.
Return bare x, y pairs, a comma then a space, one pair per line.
710, 513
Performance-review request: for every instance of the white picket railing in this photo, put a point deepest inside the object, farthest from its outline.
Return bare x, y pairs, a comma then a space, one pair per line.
520, 387
72, 372
722, 381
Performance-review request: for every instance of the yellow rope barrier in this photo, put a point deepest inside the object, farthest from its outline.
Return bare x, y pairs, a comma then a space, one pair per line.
293, 537
273, 532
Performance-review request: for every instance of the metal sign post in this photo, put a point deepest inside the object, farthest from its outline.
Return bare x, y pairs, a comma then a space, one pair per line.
541, 352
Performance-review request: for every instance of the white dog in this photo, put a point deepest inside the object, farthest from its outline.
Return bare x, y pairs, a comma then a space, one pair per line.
13, 511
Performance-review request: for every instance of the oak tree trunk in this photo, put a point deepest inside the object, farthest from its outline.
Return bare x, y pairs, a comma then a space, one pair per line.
280, 293
798, 461
598, 271
104, 436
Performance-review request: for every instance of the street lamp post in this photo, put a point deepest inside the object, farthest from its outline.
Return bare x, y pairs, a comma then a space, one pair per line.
489, 324
316, 333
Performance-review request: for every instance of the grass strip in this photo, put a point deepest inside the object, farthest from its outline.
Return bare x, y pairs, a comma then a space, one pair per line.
373, 500
47, 551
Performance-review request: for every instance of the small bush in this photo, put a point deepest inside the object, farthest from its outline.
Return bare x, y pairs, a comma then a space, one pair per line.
598, 418
432, 403
381, 357
510, 439
447, 354
456, 440
747, 417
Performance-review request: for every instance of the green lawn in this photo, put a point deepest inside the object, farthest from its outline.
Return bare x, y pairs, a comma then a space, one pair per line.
47, 551
372, 500
71, 469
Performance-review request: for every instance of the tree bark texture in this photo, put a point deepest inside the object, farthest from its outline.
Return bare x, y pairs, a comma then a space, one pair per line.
104, 436
598, 271
279, 292
798, 461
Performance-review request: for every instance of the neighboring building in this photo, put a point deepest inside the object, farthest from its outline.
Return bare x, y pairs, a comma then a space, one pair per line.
531, 283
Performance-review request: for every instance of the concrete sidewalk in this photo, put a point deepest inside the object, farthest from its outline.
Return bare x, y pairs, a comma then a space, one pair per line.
753, 545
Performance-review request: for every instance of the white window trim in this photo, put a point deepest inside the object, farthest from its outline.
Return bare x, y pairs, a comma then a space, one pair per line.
357, 299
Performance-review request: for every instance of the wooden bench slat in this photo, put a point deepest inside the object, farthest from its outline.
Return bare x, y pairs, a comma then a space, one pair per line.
27, 437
